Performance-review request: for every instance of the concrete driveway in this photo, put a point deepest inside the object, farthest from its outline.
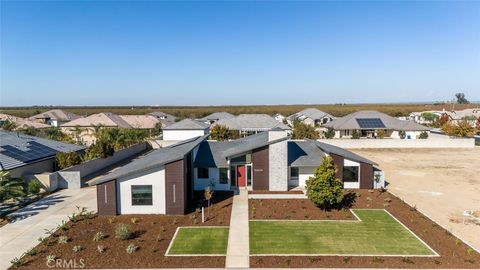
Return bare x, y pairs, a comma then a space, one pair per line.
442, 183
22, 234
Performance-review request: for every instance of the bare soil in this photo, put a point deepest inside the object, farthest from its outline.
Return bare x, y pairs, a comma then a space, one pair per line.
151, 233
453, 252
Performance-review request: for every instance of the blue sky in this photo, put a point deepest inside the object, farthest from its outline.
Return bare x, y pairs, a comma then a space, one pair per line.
218, 53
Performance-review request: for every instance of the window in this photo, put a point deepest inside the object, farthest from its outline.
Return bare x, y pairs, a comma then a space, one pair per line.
142, 195
202, 172
293, 173
249, 175
223, 175
233, 175
350, 173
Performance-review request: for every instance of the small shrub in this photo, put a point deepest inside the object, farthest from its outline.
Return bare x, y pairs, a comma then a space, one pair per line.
386, 205
134, 220
346, 259
388, 200
175, 221
122, 232
131, 248
437, 262
470, 251
111, 220
51, 258
407, 260
101, 249
159, 237
43, 240
457, 242
370, 191
413, 208
17, 262
31, 252
162, 229
34, 186
63, 239
470, 261
313, 260
369, 199
98, 236
378, 260
76, 248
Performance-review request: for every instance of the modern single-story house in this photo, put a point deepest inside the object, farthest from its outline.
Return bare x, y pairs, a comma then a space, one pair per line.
214, 117
248, 124
54, 117
23, 155
370, 123
311, 117
185, 129
163, 181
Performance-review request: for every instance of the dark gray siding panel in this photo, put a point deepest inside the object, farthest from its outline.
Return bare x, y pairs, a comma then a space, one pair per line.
107, 198
175, 188
260, 166
366, 175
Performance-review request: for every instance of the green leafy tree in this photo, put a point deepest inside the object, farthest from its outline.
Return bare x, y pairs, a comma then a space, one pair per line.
220, 133
464, 129
324, 188
8, 125
65, 160
10, 188
302, 131
461, 98
356, 134
430, 117
402, 134
330, 133
423, 135
30, 131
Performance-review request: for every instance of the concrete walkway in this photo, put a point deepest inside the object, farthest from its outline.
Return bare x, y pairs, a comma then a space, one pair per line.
238, 250
30, 222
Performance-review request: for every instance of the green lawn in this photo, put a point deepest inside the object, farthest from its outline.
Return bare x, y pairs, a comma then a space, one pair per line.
377, 234
200, 241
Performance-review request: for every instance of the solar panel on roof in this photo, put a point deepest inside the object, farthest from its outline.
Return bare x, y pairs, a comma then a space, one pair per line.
370, 123
34, 151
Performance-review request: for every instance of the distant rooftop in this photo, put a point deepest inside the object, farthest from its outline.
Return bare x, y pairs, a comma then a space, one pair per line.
253, 122
58, 115
217, 116
105, 119
22, 122
187, 124
311, 113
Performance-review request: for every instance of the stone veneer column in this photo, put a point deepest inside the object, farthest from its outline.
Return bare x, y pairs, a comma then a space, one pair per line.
278, 161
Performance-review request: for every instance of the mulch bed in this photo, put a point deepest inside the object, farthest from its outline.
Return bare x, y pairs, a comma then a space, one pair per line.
275, 192
453, 252
152, 234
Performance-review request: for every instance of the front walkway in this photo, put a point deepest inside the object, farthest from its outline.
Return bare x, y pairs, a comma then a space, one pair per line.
238, 249
31, 221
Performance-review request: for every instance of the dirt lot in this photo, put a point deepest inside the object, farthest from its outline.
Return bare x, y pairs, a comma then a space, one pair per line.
453, 253
442, 183
151, 233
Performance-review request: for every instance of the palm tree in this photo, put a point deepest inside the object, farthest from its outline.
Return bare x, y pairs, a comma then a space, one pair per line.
10, 187
77, 131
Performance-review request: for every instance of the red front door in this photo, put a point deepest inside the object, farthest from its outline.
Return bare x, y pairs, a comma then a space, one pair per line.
241, 175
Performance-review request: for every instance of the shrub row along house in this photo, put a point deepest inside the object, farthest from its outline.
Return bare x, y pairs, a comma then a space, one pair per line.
164, 181
429, 117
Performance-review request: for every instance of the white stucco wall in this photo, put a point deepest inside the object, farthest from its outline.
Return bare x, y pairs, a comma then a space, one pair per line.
156, 178
278, 162
213, 177
397, 143
180, 135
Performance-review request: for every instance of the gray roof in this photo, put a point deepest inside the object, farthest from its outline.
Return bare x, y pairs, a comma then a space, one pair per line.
17, 150
166, 118
252, 122
187, 124
331, 149
153, 160
312, 113
58, 115
349, 122
217, 116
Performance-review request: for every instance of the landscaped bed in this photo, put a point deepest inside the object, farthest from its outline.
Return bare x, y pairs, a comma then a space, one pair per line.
453, 252
151, 235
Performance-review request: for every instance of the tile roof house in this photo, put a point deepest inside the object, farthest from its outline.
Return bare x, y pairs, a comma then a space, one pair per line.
21, 123
214, 117
248, 124
164, 181
185, 129
22, 154
310, 116
369, 122
54, 117
471, 115
141, 121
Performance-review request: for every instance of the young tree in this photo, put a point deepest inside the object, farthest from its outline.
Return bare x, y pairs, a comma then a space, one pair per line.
8, 125
461, 98
324, 188
10, 188
330, 133
65, 160
208, 194
303, 131
464, 129
423, 135
443, 119
402, 134
430, 117
381, 133
449, 128
356, 134
220, 133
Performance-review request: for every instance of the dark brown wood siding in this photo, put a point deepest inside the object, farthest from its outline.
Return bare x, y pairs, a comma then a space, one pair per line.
175, 189
366, 175
107, 198
338, 160
260, 164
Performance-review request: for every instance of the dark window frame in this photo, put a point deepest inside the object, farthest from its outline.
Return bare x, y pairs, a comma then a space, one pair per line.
222, 180
203, 173
141, 200
293, 177
348, 170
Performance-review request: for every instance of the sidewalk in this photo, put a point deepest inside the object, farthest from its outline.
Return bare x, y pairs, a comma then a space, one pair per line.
238, 250
31, 221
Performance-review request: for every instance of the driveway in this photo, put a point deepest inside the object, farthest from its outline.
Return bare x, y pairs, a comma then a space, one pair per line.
31, 221
442, 183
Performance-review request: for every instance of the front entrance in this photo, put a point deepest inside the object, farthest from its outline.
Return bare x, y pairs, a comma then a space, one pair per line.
241, 175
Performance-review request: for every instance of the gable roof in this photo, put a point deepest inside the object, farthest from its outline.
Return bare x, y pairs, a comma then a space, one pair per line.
217, 116
331, 149
105, 119
17, 150
165, 118
22, 122
349, 122
58, 115
187, 124
304, 153
252, 122
153, 160
311, 113
140, 121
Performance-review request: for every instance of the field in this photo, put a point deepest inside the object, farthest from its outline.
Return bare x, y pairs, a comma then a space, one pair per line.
199, 241
377, 233
200, 111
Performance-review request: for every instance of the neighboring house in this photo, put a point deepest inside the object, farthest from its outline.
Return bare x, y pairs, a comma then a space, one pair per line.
279, 117
369, 123
185, 129
83, 129
141, 121
310, 116
471, 115
23, 155
249, 124
214, 117
165, 118
164, 181
21, 123
54, 117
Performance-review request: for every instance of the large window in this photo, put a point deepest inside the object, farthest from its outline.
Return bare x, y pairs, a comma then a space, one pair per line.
142, 195
202, 173
223, 175
293, 173
350, 173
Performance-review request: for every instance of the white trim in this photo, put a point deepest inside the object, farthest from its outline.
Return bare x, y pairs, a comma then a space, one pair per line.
190, 255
